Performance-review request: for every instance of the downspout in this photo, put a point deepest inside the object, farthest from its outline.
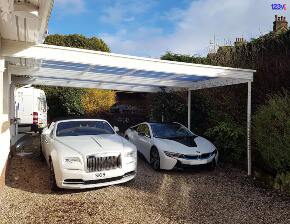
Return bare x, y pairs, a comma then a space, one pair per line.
249, 131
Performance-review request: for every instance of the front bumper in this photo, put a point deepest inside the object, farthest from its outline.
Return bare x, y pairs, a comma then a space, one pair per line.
171, 163
79, 179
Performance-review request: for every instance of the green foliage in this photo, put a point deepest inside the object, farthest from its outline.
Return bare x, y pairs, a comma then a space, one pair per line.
185, 58
268, 54
271, 132
171, 106
230, 139
63, 101
77, 41
284, 180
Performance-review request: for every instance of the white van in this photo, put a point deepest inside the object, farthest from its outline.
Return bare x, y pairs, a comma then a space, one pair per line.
31, 109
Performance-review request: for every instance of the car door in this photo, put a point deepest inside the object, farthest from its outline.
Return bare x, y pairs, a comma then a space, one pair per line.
144, 140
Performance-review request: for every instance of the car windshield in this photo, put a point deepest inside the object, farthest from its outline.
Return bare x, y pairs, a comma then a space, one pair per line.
76, 128
170, 131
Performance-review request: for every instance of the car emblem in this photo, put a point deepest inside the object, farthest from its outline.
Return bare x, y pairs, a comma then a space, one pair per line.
198, 151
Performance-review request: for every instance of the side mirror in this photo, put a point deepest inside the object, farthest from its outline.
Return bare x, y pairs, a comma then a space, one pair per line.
116, 129
17, 120
46, 131
141, 134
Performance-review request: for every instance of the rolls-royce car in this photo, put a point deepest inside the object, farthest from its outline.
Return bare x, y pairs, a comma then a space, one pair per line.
86, 153
171, 145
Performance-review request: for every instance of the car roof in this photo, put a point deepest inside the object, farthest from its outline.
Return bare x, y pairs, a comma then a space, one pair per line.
150, 123
75, 118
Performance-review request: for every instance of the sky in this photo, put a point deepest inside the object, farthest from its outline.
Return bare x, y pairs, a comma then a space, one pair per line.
150, 28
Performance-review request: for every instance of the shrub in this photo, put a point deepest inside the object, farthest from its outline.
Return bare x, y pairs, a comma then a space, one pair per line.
98, 101
230, 139
171, 106
271, 132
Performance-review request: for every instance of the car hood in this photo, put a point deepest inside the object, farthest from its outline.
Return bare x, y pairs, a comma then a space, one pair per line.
88, 145
202, 146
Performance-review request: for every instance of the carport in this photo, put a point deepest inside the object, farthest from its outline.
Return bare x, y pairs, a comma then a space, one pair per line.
25, 60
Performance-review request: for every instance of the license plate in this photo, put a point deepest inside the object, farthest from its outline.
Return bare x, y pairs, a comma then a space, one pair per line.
100, 175
40, 125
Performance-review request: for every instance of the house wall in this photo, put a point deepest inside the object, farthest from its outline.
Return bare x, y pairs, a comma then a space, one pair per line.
5, 122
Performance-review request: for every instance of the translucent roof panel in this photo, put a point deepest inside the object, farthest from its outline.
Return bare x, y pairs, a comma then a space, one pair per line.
149, 74
64, 65
192, 78
110, 70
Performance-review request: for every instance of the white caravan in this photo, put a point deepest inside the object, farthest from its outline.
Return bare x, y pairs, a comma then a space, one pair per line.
31, 109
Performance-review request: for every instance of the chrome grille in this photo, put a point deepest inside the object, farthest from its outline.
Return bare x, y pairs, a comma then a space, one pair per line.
101, 163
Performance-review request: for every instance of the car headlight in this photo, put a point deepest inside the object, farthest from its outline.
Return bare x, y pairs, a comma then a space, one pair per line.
214, 152
130, 154
71, 160
173, 154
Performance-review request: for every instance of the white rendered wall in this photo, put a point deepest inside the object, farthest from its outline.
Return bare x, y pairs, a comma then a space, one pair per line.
4, 115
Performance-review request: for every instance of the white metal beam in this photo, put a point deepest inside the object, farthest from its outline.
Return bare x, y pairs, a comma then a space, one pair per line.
74, 55
172, 77
217, 83
128, 73
87, 69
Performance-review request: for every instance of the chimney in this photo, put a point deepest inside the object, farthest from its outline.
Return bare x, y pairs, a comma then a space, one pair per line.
239, 41
279, 23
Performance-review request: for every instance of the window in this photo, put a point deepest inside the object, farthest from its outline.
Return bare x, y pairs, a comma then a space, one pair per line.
76, 128
145, 129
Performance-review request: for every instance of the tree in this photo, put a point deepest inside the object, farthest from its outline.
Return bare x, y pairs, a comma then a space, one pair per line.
98, 101
77, 41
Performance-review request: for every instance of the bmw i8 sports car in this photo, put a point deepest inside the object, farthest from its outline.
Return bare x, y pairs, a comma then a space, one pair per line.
171, 145
86, 153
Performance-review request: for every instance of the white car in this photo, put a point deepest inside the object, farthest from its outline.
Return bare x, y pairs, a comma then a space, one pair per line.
87, 153
171, 145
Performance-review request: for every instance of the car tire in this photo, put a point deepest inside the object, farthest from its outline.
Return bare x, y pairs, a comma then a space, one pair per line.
53, 185
42, 158
155, 159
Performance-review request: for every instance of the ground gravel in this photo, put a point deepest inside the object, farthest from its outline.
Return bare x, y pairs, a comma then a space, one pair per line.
225, 195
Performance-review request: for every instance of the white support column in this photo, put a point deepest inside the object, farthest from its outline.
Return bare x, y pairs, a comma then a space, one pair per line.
12, 114
2, 69
189, 109
249, 131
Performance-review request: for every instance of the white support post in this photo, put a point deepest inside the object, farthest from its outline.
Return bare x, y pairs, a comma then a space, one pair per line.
189, 109
13, 128
2, 69
249, 131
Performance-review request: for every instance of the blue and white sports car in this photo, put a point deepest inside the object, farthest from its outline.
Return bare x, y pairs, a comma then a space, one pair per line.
171, 145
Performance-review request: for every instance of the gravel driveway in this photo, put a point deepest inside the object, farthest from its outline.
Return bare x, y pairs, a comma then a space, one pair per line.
225, 195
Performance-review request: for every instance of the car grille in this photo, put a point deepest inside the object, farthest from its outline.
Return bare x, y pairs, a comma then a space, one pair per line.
193, 157
100, 163
190, 157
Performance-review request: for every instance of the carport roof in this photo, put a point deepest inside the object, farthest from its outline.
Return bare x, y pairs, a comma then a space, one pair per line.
63, 66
